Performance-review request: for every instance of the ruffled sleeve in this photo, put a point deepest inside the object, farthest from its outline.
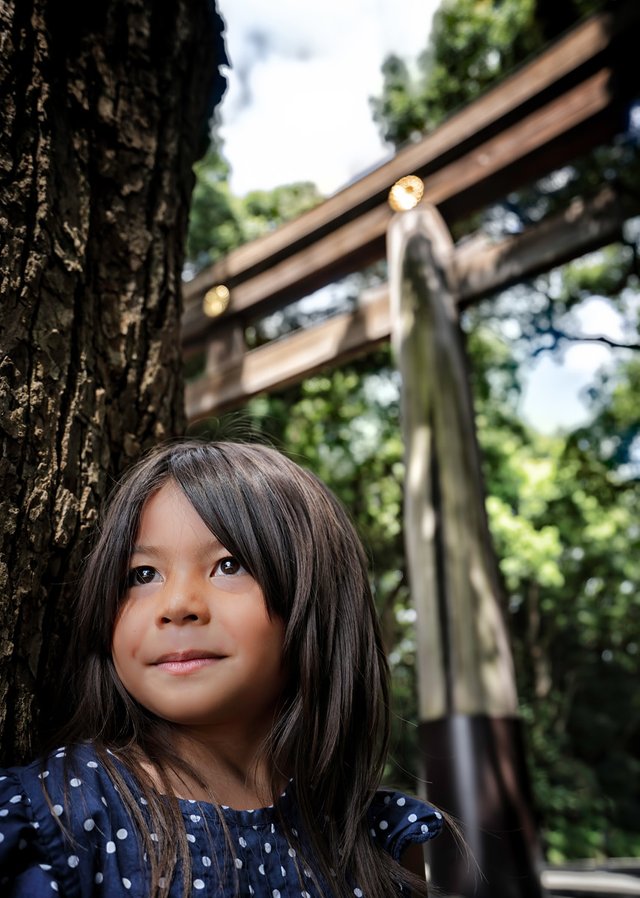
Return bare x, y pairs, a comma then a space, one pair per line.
25, 871
396, 820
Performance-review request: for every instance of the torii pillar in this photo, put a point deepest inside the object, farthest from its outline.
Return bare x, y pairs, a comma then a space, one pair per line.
469, 727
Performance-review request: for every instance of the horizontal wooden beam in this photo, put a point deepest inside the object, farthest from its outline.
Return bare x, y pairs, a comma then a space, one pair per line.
481, 269
288, 360
484, 268
546, 139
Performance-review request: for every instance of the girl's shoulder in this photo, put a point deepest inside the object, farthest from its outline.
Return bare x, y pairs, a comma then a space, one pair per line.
397, 820
59, 815
69, 783
58, 765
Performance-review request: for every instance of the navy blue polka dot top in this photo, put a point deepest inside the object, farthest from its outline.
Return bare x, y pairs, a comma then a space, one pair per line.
97, 852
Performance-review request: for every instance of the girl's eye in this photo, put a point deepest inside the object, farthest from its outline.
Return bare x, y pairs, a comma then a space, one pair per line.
141, 575
227, 567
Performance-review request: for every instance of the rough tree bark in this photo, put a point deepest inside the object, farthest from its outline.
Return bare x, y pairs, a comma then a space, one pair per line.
104, 110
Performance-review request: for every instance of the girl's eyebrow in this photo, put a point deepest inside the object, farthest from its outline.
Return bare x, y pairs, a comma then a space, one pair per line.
145, 550
156, 551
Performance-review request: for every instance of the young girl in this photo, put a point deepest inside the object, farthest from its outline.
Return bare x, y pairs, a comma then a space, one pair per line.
230, 702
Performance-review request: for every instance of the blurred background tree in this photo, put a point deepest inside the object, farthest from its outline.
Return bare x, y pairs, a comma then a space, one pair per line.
562, 508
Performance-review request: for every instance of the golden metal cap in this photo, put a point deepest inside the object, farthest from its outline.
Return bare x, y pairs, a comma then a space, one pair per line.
406, 193
215, 301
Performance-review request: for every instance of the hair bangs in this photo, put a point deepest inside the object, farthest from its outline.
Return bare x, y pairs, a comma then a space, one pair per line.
248, 498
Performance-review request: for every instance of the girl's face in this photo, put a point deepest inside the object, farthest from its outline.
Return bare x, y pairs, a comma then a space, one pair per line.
193, 642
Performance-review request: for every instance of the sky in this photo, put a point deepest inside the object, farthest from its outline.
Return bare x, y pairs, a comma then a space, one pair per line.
553, 387
297, 109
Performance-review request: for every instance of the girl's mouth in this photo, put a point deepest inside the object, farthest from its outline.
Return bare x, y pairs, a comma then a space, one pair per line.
186, 662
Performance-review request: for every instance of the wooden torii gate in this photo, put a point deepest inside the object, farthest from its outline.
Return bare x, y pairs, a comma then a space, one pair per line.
570, 99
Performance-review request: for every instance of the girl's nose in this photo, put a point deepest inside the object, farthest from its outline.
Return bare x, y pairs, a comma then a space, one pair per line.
184, 604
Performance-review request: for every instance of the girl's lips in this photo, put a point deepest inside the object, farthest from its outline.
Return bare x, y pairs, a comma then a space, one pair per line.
188, 665
186, 662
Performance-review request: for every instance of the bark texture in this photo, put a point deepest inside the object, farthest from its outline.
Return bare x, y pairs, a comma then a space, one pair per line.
104, 108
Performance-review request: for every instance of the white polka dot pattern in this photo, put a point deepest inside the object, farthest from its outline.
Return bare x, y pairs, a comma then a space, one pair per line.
104, 856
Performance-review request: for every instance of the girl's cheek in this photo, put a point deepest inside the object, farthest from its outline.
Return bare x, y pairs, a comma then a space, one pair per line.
129, 630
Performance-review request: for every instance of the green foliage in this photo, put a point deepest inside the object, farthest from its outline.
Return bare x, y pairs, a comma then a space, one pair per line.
215, 225
613, 434
473, 44
265, 210
563, 514
220, 221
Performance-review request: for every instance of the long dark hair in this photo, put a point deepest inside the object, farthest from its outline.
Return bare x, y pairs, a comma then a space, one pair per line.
331, 732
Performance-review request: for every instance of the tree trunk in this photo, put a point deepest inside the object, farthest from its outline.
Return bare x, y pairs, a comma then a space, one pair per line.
104, 110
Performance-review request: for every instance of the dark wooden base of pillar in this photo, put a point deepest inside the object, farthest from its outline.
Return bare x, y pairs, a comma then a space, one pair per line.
476, 772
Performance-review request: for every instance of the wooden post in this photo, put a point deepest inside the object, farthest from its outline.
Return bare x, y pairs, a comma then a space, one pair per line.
469, 726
